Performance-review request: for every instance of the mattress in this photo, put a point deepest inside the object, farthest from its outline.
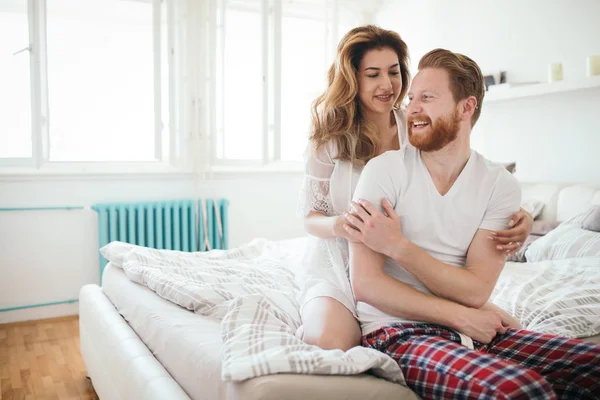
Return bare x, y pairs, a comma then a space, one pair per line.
189, 347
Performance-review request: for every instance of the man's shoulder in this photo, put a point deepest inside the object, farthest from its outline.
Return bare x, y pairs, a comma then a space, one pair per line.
496, 175
385, 160
493, 169
385, 172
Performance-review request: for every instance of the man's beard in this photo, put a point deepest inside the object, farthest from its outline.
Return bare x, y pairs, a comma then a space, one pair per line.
444, 131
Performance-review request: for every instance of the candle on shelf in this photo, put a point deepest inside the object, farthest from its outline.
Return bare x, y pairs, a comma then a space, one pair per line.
593, 65
555, 72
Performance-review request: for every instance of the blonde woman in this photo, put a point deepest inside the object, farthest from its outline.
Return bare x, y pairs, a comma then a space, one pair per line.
357, 118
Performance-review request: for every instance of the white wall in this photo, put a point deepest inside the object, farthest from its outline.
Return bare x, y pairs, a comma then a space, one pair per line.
261, 204
45, 257
553, 137
40, 263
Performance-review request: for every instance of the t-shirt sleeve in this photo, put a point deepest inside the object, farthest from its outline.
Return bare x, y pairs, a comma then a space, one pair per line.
376, 181
505, 201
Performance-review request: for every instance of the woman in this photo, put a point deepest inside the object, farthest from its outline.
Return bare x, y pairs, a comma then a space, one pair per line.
357, 118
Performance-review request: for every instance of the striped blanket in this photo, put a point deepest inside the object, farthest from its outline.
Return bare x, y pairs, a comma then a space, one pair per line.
253, 290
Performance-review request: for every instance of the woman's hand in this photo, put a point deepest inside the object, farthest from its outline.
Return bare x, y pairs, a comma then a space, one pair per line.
381, 233
340, 231
510, 240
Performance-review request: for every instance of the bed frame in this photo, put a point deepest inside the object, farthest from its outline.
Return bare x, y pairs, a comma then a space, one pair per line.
117, 361
121, 366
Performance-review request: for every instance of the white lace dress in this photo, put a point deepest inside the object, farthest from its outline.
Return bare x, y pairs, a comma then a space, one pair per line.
328, 187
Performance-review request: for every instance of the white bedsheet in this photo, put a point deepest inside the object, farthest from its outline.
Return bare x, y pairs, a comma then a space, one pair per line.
252, 290
559, 297
164, 326
189, 345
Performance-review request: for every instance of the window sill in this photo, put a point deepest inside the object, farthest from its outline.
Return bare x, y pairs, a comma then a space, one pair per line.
82, 170
276, 167
124, 171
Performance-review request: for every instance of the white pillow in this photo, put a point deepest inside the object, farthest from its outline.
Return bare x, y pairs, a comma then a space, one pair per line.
566, 241
115, 252
533, 207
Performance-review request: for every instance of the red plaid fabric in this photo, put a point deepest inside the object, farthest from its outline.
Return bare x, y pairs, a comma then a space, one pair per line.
517, 365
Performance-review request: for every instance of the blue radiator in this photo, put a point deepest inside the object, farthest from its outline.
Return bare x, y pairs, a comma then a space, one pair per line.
185, 225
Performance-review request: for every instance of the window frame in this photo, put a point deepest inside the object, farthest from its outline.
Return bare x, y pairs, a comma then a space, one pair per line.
170, 157
272, 13
192, 92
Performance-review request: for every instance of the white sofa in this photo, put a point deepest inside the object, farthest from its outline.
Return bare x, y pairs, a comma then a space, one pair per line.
561, 200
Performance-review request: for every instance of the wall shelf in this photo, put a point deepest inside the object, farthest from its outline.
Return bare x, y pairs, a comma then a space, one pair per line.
541, 89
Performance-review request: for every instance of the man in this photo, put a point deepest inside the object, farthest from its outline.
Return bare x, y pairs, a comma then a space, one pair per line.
442, 201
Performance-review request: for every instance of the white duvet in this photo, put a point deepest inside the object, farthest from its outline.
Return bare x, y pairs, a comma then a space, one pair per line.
560, 297
253, 290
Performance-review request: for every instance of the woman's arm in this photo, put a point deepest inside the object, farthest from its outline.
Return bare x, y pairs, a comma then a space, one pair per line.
320, 225
315, 198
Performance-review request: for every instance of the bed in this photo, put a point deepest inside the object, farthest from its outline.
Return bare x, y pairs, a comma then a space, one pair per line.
136, 344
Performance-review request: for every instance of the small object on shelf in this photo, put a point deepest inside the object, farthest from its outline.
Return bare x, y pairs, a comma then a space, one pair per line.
555, 72
593, 66
509, 85
494, 78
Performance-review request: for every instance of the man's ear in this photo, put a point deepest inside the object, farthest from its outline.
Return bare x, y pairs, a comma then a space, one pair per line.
468, 108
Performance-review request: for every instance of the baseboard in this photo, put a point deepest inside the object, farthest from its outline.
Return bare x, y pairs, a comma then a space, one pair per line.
28, 314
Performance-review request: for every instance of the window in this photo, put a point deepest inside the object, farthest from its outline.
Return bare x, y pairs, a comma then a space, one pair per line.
93, 84
15, 96
304, 59
272, 61
102, 77
100, 81
240, 81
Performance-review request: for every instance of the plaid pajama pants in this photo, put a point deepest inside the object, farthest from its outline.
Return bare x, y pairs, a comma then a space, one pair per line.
517, 365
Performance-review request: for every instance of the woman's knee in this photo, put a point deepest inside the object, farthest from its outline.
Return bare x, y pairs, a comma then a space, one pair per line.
332, 340
330, 325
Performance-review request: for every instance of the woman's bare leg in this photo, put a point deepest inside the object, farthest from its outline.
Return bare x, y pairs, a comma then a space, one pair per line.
330, 325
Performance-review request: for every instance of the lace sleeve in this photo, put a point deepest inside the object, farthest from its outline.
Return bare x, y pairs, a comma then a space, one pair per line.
314, 195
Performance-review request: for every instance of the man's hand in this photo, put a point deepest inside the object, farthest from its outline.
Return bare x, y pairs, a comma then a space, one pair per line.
481, 325
509, 321
377, 231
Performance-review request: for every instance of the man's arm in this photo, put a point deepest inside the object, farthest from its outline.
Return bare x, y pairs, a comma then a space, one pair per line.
470, 286
373, 286
473, 284
509, 321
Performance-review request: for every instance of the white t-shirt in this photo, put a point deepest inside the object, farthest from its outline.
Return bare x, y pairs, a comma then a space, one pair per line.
484, 196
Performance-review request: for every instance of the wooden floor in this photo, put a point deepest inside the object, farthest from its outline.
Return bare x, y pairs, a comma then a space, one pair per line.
42, 360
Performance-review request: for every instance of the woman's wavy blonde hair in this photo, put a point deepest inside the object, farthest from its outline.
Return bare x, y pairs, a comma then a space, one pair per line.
337, 113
